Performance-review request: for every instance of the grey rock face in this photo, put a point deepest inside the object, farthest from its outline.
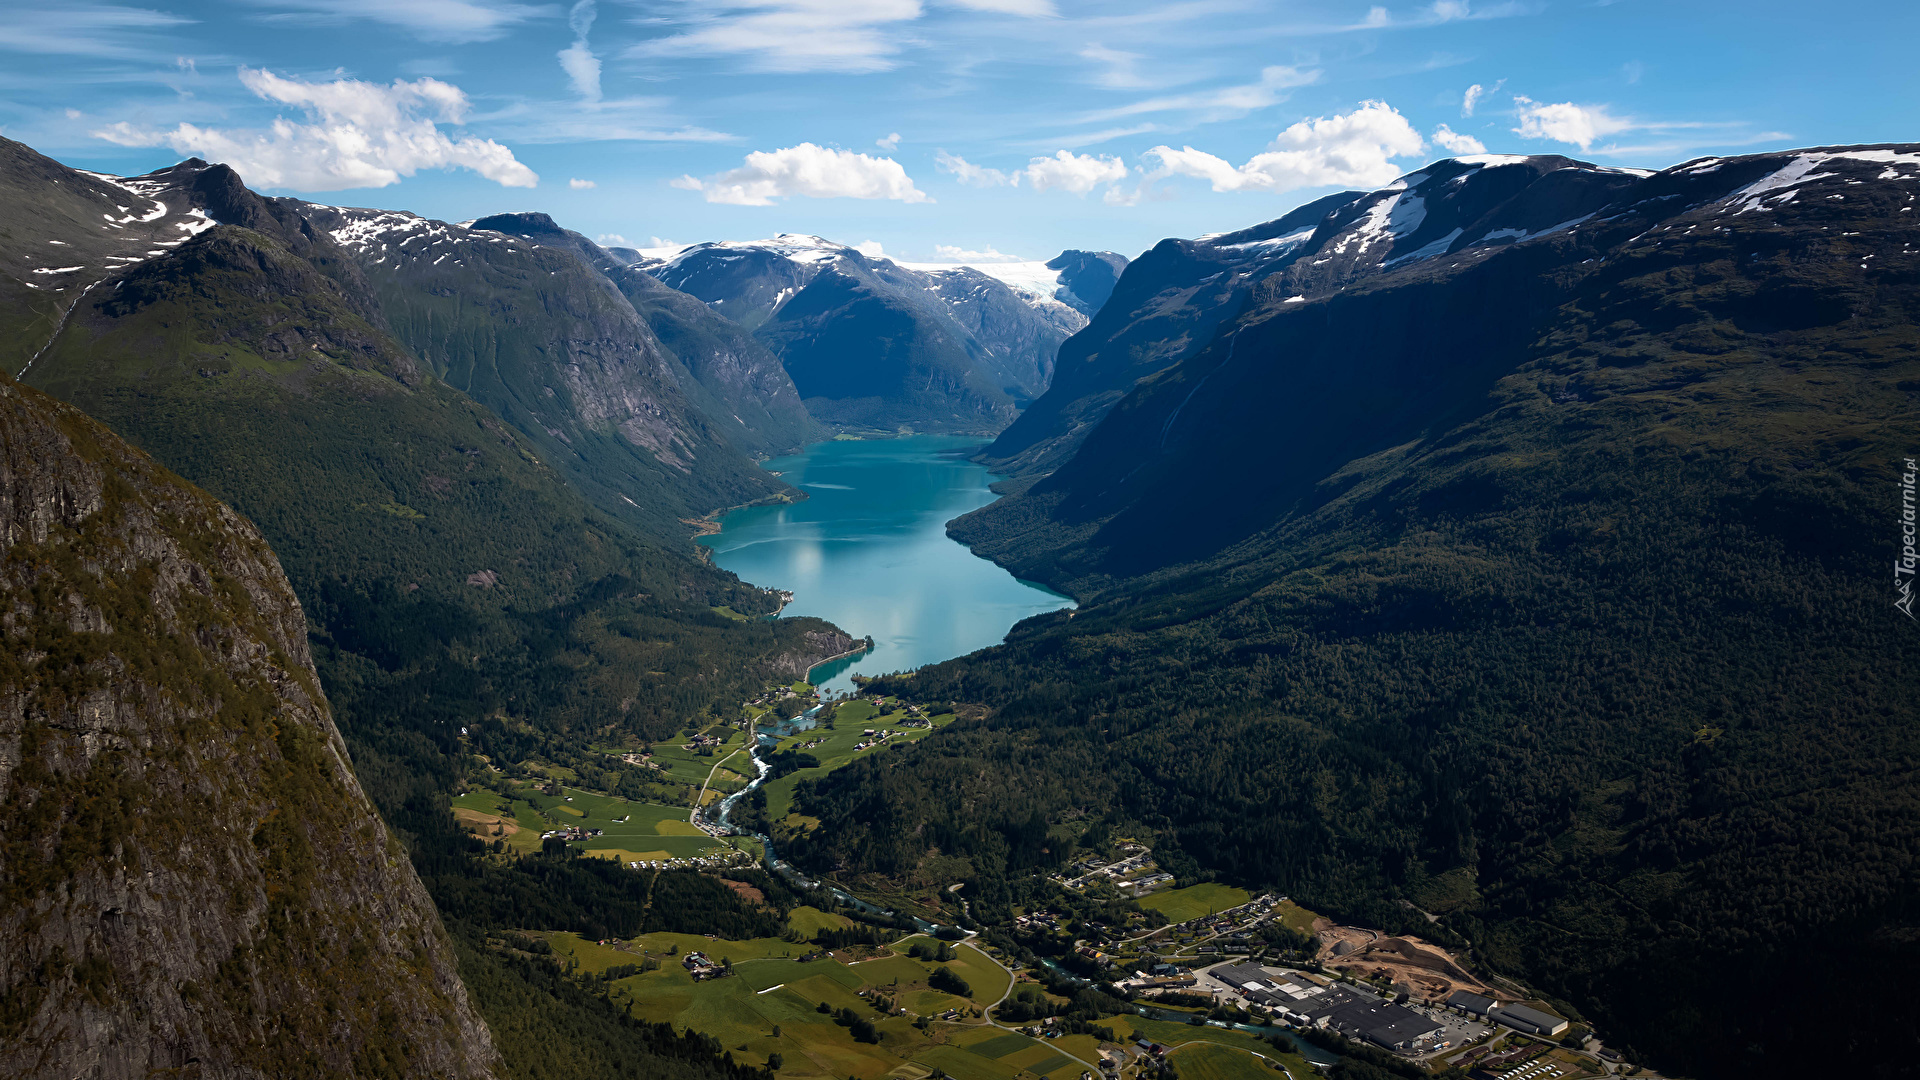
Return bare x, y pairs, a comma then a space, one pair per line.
191, 878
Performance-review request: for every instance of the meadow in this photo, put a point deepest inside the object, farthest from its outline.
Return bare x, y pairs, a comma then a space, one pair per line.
771, 991
851, 719
630, 831
1194, 901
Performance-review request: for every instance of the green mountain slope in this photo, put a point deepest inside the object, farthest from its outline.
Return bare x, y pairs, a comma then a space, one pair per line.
1545, 585
190, 877
726, 373
549, 345
430, 542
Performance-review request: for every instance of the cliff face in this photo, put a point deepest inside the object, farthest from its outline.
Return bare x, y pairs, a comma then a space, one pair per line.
190, 877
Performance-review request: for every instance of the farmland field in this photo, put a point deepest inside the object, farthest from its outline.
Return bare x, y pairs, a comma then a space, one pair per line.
770, 986
1194, 901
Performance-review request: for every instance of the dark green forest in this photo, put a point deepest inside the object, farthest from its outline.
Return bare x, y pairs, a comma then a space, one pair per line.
1587, 647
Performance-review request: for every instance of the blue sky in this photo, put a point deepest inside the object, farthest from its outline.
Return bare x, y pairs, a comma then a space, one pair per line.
930, 127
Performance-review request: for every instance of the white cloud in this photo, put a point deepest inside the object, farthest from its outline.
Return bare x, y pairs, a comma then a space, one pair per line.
843, 36
970, 174
871, 249
954, 253
1078, 173
1123, 68
1224, 102
891, 142
1476, 94
1566, 122
1351, 151
1455, 143
1035, 9
816, 172
613, 238
454, 21
582, 185
577, 60
361, 134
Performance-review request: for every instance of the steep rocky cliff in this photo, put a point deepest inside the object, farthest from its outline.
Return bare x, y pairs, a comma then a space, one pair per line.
192, 883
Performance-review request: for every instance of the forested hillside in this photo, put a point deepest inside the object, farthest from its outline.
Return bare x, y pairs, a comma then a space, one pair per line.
463, 601
1542, 585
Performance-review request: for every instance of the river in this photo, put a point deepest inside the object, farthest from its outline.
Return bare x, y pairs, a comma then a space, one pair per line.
868, 551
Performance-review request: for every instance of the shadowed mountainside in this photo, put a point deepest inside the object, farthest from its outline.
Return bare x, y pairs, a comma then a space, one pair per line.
1536, 572
192, 877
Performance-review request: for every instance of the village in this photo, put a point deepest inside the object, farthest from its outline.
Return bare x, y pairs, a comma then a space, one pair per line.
1399, 994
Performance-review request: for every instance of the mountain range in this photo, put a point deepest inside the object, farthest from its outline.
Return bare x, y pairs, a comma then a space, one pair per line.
874, 344
1500, 556
1512, 544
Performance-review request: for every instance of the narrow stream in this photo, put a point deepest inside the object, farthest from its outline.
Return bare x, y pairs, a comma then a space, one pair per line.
763, 742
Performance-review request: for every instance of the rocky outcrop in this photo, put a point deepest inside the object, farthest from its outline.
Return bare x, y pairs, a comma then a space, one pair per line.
192, 883
822, 645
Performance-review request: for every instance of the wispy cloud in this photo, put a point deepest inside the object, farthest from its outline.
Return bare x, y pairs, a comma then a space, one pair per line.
452, 21
1121, 69
1033, 9
1091, 138
101, 31
1438, 12
577, 60
358, 135
970, 174
635, 119
1222, 102
854, 36
814, 172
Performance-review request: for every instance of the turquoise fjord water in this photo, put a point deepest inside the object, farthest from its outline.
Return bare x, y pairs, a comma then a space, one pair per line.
868, 551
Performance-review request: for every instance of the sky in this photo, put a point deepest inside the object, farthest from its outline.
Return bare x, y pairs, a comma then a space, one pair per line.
930, 130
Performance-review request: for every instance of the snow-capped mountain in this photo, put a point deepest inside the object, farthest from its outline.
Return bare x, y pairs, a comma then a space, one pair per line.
1169, 301
1079, 281
870, 342
531, 330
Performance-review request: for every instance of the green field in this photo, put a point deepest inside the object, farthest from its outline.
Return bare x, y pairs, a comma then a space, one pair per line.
771, 986
1212, 1061
682, 766
630, 830
1168, 1033
811, 920
1294, 917
836, 749
1192, 902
